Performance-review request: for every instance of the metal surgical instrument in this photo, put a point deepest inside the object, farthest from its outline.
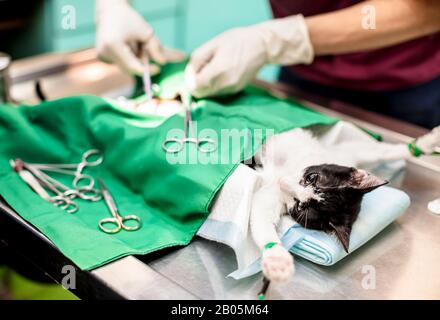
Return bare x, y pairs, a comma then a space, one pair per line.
54, 191
146, 78
117, 221
174, 145
84, 193
80, 177
60, 199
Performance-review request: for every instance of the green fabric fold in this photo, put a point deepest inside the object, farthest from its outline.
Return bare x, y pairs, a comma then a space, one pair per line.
172, 199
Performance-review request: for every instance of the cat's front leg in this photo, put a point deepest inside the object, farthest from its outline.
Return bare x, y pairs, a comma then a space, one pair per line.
381, 151
267, 207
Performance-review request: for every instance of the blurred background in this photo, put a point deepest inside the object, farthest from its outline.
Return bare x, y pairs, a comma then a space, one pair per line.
182, 24
30, 28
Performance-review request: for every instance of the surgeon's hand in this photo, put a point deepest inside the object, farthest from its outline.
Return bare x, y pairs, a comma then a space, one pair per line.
123, 37
231, 60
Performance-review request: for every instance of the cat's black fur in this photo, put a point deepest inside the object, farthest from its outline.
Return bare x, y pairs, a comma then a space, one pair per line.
341, 190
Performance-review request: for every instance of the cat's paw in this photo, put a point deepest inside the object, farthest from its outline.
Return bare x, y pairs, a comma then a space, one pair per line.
277, 264
430, 142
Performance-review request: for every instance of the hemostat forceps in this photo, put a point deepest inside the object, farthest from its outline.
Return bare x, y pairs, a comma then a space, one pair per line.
174, 145
75, 169
117, 221
54, 191
34, 182
59, 199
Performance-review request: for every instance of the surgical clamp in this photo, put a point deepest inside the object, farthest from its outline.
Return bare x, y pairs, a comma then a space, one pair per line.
116, 220
174, 145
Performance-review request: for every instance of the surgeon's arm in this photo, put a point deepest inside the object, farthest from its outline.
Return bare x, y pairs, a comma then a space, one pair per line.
396, 21
231, 60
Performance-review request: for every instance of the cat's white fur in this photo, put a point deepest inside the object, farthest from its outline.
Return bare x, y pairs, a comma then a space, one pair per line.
283, 159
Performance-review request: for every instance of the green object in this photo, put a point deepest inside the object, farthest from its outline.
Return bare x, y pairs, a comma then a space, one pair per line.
16, 287
266, 282
25, 289
414, 149
270, 245
417, 152
172, 199
373, 134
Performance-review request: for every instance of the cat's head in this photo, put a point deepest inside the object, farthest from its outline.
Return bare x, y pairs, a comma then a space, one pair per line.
328, 197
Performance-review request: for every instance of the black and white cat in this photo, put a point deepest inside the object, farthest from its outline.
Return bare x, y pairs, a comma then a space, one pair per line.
319, 186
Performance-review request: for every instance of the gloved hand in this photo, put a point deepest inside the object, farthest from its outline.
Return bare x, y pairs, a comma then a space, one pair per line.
231, 60
123, 37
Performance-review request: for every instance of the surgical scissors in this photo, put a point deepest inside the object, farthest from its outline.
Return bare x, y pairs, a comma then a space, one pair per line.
174, 145
80, 177
85, 161
116, 220
59, 199
34, 174
84, 193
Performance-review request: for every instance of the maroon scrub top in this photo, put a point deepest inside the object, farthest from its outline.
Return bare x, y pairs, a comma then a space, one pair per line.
396, 67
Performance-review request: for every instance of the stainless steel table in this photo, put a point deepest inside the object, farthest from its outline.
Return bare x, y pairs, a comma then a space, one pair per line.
405, 256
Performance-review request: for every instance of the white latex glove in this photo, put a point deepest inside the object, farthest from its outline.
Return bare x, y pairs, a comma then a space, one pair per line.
231, 60
122, 36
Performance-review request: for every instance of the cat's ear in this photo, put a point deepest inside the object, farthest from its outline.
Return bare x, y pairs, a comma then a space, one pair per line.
342, 232
365, 181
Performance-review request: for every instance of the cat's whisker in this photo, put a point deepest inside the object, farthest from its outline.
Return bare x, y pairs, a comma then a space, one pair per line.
301, 216
306, 213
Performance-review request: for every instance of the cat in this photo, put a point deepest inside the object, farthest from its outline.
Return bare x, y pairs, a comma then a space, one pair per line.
320, 186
